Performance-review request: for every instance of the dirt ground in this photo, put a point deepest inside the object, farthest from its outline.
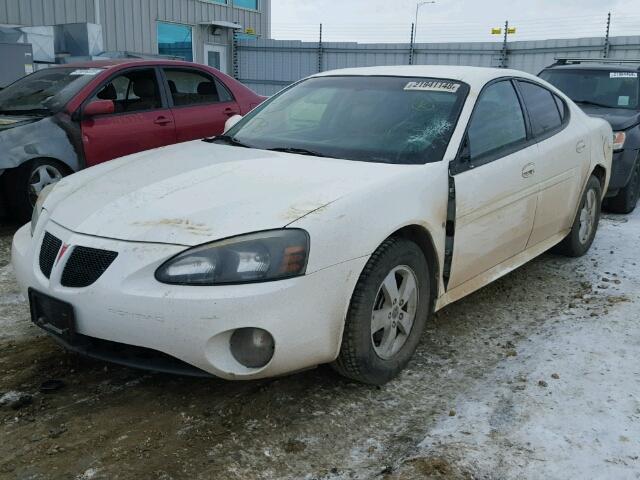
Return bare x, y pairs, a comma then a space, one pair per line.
535, 376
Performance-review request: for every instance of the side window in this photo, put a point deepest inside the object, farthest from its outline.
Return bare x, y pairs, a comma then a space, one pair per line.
134, 91
562, 107
191, 87
542, 108
497, 121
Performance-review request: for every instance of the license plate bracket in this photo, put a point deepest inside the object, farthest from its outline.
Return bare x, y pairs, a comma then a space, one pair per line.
52, 315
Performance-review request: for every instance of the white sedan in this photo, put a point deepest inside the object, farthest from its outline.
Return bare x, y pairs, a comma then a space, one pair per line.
324, 227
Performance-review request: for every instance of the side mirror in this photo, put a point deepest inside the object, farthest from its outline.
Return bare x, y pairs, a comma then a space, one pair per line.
99, 107
229, 124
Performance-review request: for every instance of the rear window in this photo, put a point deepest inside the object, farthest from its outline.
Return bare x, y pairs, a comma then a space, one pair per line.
604, 88
542, 107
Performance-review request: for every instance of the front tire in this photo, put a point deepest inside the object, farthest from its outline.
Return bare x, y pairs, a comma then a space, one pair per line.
585, 225
627, 198
387, 314
23, 185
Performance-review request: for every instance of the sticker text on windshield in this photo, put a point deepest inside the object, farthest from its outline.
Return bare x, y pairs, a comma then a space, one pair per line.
433, 86
86, 71
623, 75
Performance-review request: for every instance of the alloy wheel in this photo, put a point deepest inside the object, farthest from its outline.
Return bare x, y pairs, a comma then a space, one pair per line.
394, 311
42, 176
588, 217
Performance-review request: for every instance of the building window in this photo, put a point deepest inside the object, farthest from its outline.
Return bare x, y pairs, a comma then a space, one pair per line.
175, 40
223, 2
250, 4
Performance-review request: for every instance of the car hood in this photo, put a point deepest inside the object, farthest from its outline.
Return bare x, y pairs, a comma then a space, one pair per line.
192, 193
619, 118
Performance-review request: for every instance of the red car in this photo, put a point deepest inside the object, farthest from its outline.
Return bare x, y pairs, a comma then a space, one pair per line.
65, 118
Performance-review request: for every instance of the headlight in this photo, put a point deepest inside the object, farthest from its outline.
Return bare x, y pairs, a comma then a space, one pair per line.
256, 257
618, 140
37, 210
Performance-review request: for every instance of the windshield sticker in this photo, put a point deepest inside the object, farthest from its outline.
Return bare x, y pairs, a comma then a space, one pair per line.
623, 75
86, 71
623, 101
433, 86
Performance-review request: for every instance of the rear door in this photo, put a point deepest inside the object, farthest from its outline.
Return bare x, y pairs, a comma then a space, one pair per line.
564, 152
495, 193
200, 103
141, 121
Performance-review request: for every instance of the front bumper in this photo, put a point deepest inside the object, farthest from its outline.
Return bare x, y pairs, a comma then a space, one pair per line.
305, 315
621, 170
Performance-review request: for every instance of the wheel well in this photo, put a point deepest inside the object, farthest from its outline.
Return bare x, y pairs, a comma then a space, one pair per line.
421, 237
601, 174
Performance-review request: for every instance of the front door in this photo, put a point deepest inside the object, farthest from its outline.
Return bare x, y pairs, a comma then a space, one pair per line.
216, 56
141, 120
201, 104
495, 190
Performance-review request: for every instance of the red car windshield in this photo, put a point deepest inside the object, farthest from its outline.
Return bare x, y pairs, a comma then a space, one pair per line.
45, 91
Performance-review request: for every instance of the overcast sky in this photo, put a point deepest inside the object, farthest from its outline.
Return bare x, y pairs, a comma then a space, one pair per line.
451, 20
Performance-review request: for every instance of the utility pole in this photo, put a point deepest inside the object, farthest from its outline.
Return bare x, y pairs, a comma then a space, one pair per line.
411, 45
503, 54
607, 45
415, 23
320, 51
235, 56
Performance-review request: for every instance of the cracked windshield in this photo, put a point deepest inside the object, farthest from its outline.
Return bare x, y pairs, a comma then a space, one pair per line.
372, 119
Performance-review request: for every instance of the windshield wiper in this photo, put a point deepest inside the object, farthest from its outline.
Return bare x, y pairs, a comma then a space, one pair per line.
299, 151
595, 104
228, 139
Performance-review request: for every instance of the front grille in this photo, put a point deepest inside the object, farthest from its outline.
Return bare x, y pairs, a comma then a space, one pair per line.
48, 253
85, 266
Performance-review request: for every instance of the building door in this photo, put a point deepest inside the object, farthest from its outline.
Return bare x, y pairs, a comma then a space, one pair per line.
216, 56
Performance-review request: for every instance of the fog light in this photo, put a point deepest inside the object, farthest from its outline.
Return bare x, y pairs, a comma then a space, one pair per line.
252, 347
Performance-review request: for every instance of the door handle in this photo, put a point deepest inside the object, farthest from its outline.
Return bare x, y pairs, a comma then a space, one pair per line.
529, 170
162, 121
230, 111
580, 146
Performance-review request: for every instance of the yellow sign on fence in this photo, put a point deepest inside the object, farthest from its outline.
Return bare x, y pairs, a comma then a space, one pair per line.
498, 31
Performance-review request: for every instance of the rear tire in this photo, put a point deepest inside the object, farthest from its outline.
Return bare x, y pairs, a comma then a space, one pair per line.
585, 225
23, 184
387, 314
627, 198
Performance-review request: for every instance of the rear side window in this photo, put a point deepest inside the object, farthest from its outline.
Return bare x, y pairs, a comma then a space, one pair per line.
562, 108
497, 123
542, 107
190, 87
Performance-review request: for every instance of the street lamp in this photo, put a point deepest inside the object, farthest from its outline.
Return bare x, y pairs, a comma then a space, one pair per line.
415, 27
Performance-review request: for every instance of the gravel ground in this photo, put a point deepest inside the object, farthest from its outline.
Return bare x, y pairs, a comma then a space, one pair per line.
535, 376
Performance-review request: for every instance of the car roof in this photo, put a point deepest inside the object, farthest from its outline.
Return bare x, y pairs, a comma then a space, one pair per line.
474, 76
596, 66
119, 62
